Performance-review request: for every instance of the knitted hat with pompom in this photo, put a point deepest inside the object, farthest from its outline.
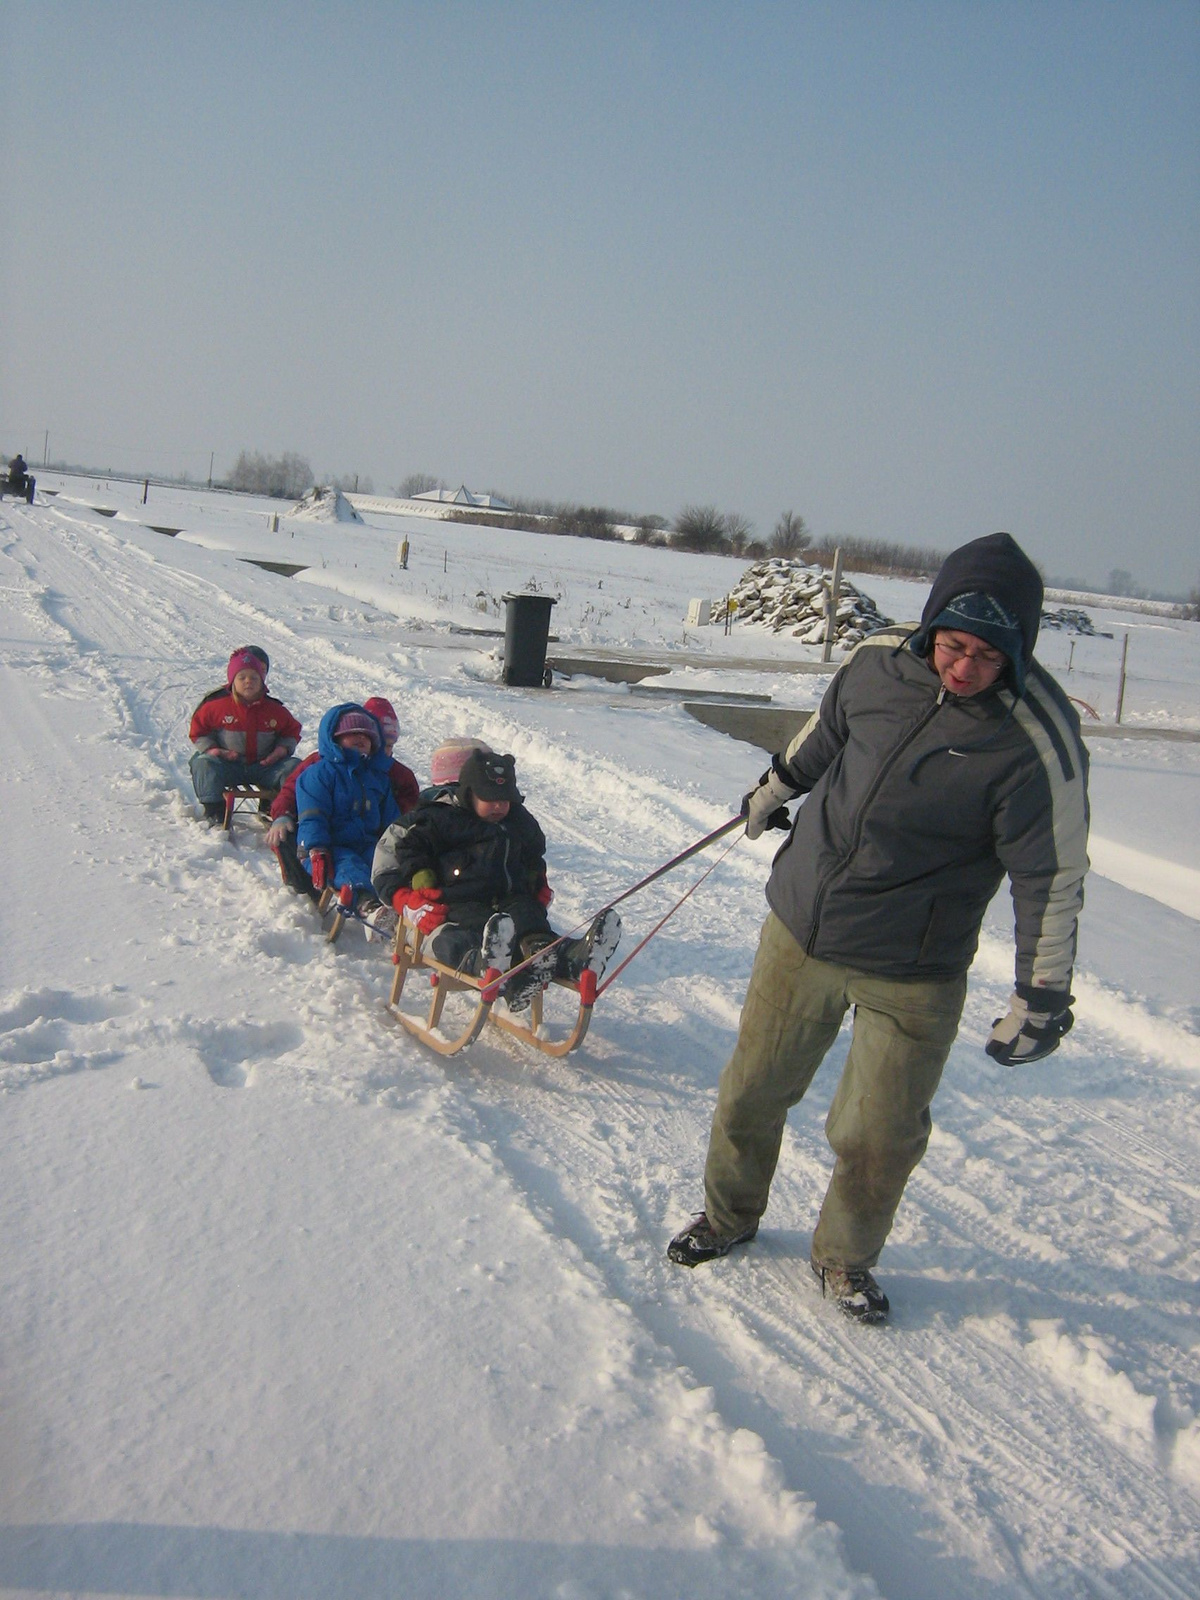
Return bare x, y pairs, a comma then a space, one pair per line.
247, 658
447, 760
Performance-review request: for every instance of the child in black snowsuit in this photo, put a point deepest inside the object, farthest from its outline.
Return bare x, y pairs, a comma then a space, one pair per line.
468, 867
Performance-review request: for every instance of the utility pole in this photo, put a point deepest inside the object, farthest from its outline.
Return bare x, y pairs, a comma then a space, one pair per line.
1121, 679
211, 457
835, 585
46, 448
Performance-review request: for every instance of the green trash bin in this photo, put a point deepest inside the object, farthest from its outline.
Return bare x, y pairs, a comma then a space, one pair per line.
526, 634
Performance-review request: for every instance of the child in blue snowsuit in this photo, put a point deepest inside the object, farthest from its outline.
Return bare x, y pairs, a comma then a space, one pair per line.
344, 801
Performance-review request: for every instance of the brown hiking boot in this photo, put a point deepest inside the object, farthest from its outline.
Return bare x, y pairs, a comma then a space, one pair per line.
855, 1293
698, 1242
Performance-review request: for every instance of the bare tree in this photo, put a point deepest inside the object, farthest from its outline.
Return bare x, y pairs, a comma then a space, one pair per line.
700, 528
284, 477
790, 535
738, 532
417, 483
1121, 582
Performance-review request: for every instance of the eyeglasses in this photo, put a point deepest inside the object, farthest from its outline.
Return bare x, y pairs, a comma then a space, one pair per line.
983, 657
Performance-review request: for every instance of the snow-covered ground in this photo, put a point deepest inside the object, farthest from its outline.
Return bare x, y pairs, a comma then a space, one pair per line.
291, 1308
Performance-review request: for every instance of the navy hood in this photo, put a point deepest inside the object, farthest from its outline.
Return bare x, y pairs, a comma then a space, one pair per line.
994, 565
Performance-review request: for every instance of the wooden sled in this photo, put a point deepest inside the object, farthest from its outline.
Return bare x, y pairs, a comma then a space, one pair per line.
249, 798
408, 956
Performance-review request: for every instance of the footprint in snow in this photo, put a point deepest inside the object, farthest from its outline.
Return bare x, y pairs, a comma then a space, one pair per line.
47, 1032
231, 1052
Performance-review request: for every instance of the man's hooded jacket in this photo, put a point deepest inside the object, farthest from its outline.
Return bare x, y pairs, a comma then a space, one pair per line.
918, 801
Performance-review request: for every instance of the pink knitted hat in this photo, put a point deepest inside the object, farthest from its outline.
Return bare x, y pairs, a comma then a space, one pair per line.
357, 722
447, 760
246, 659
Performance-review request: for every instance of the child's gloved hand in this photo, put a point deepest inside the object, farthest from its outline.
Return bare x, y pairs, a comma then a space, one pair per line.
279, 830
424, 908
320, 867
542, 892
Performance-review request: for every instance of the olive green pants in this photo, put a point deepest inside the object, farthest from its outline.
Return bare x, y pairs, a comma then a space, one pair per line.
878, 1124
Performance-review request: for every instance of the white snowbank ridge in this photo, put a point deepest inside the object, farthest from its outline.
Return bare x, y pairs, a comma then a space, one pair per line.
1166, 881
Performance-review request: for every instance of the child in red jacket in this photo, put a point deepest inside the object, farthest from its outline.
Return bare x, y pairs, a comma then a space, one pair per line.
241, 734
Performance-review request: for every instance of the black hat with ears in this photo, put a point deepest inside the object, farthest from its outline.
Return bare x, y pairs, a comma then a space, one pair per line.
489, 776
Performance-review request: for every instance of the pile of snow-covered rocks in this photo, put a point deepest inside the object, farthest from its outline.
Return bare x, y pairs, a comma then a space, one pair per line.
1072, 620
325, 504
783, 593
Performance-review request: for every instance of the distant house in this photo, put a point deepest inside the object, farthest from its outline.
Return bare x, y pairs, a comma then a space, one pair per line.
462, 496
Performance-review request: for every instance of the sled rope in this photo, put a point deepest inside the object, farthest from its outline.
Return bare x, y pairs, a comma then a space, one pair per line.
617, 971
675, 861
684, 855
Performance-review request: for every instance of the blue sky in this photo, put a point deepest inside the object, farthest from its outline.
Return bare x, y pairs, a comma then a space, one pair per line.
914, 270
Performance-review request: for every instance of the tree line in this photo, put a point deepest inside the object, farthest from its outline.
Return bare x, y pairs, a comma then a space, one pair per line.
701, 529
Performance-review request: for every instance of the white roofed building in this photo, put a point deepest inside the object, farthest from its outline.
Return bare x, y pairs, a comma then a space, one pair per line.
462, 496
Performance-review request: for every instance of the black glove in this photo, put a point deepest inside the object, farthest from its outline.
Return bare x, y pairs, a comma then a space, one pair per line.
766, 806
1023, 1034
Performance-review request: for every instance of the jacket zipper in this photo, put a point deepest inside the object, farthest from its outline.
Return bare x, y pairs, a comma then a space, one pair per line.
860, 819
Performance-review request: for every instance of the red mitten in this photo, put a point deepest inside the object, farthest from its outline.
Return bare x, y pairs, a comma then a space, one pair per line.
425, 907
320, 866
543, 894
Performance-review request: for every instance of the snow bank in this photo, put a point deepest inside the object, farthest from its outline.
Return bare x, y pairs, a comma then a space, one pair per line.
325, 505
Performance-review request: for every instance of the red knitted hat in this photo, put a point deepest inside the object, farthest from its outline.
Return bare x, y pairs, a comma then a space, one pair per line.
384, 715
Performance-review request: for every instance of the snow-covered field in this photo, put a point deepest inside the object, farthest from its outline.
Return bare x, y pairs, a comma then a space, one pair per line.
291, 1308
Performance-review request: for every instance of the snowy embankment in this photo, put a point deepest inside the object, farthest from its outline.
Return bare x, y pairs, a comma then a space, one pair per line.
291, 1308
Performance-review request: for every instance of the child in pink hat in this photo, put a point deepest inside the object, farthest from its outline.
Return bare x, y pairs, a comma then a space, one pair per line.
241, 734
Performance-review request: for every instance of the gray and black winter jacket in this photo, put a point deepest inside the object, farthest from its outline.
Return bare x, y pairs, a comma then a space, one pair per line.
474, 862
918, 803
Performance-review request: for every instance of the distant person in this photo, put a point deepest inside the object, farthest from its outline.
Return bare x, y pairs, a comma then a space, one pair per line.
468, 867
241, 734
941, 757
280, 835
19, 480
344, 801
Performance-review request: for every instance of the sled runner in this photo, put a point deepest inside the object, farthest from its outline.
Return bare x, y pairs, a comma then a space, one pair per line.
480, 995
341, 903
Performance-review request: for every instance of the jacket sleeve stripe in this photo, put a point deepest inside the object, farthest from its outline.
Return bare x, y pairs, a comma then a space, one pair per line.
1048, 912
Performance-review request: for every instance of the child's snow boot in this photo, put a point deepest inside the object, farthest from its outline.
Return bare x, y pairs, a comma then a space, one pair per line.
519, 991
380, 920
593, 951
496, 943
